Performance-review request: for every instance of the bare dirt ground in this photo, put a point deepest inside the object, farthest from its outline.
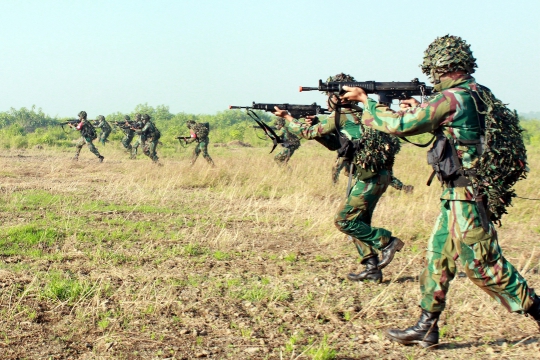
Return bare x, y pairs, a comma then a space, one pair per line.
127, 260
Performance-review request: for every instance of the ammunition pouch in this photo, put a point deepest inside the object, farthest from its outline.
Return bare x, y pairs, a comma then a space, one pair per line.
446, 163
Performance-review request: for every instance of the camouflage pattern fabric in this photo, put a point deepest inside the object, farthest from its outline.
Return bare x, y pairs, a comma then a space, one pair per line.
341, 163
88, 141
140, 141
105, 130
202, 146
199, 134
458, 231
128, 137
152, 135
290, 144
354, 214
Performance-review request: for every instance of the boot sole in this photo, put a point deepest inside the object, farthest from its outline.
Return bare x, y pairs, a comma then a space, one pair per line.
398, 248
422, 343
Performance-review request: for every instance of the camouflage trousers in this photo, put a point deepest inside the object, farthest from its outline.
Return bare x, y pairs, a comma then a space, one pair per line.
88, 141
126, 141
201, 146
150, 148
354, 215
140, 141
284, 155
340, 164
104, 135
457, 233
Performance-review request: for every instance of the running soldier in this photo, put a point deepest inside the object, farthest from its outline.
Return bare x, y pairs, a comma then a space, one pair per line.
105, 127
140, 141
290, 143
88, 134
151, 135
371, 181
199, 133
129, 133
460, 113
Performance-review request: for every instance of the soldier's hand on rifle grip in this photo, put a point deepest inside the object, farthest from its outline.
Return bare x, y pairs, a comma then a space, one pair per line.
310, 119
354, 94
408, 103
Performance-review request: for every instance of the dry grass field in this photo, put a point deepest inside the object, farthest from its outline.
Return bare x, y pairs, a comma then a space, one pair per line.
126, 260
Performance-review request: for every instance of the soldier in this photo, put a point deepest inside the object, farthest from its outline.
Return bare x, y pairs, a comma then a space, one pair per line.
140, 139
105, 128
88, 134
290, 143
129, 133
150, 135
354, 214
462, 228
199, 133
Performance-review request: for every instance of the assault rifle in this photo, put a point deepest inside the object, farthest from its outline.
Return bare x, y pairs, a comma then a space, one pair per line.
387, 91
297, 111
185, 138
123, 125
69, 122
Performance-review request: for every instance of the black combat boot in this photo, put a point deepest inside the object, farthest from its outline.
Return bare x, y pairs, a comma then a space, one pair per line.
425, 333
371, 273
534, 310
389, 251
101, 158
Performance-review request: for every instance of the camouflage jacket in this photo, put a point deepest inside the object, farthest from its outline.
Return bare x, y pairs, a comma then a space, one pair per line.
452, 108
290, 140
104, 126
349, 124
198, 132
149, 130
87, 129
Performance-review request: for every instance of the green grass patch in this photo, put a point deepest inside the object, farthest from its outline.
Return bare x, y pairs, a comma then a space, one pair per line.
28, 240
64, 288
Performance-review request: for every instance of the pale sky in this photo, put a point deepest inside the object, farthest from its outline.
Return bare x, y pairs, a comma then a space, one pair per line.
201, 56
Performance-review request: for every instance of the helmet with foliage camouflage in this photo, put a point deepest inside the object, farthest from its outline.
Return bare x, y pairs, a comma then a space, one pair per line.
127, 118
280, 122
341, 77
190, 124
82, 114
101, 118
447, 54
138, 117
146, 117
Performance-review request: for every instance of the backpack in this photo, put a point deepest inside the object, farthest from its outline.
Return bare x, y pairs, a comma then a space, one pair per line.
374, 152
202, 130
503, 160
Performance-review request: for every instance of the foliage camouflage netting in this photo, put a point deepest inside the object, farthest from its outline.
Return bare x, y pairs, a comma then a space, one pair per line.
376, 150
504, 160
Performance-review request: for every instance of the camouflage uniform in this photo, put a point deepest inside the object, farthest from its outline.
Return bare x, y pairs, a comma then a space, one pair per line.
141, 140
458, 230
199, 134
290, 144
354, 214
150, 135
88, 134
105, 129
129, 133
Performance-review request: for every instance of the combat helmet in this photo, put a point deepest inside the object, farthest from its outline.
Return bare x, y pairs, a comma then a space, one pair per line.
190, 124
447, 54
127, 118
341, 77
138, 117
82, 114
146, 117
101, 117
